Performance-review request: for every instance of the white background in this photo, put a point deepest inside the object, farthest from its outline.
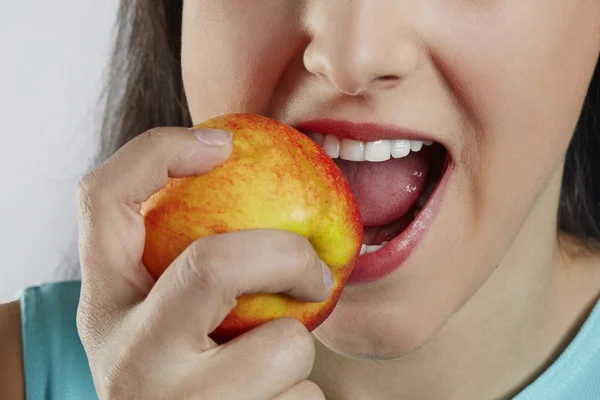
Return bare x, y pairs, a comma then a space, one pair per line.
53, 57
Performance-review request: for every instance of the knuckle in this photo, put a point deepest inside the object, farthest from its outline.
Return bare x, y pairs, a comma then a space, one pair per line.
92, 325
92, 189
84, 207
84, 328
86, 188
86, 323
154, 134
200, 268
152, 137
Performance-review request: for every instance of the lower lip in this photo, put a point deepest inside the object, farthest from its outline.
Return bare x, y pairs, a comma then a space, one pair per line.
377, 265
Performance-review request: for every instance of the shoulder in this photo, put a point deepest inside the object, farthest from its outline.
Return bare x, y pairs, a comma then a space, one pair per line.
54, 362
11, 361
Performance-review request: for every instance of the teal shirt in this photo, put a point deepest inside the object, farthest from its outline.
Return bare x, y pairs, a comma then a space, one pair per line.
56, 367
55, 364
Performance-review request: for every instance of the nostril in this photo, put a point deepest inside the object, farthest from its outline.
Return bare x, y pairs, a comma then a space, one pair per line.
386, 81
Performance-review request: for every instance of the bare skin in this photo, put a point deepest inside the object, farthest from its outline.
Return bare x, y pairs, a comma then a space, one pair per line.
493, 81
147, 339
579, 270
573, 285
491, 287
11, 358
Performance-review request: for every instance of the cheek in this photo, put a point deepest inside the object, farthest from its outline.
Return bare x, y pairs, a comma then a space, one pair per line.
520, 71
233, 54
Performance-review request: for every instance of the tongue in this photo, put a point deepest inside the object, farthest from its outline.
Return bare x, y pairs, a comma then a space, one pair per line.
385, 191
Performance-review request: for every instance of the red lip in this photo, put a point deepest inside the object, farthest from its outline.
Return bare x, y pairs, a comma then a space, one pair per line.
366, 132
374, 266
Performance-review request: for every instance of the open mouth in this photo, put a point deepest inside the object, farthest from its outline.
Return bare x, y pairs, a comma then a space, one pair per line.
393, 181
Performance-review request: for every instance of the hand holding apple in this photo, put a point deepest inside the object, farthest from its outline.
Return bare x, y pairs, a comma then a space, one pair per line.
159, 332
276, 178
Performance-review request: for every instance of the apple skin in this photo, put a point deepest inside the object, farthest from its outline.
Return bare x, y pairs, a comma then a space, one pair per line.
276, 178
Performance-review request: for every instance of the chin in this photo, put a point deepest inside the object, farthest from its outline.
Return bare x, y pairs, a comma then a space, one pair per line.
377, 329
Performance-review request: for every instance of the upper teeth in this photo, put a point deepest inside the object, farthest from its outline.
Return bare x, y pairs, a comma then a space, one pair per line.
355, 150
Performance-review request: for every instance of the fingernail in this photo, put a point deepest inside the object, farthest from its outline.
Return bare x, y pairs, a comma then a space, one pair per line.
212, 137
327, 277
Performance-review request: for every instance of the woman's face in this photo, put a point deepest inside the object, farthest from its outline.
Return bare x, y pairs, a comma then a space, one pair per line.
499, 83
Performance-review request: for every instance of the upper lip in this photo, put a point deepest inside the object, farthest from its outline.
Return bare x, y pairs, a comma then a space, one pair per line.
363, 131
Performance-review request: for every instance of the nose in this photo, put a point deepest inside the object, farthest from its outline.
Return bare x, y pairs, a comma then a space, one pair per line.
359, 47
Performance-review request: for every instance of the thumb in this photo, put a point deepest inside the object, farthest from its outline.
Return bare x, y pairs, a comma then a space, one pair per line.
111, 228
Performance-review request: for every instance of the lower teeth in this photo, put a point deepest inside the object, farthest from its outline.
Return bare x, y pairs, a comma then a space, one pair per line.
367, 248
416, 209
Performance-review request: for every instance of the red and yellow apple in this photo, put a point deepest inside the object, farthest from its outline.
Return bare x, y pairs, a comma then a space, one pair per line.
277, 178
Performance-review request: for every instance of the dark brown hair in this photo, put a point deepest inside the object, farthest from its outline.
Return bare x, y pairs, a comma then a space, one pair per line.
145, 90
145, 86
